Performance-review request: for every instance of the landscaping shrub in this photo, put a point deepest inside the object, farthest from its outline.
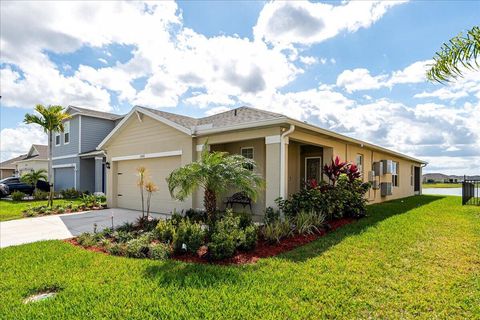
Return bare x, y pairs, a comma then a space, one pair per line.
165, 230
146, 223
40, 195
245, 219
117, 249
189, 236
137, 248
343, 196
17, 196
196, 215
159, 251
70, 193
87, 239
251, 237
276, 231
127, 227
226, 237
122, 236
271, 215
308, 222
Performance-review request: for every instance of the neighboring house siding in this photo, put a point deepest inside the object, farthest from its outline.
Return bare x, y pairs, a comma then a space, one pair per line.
28, 166
94, 130
72, 147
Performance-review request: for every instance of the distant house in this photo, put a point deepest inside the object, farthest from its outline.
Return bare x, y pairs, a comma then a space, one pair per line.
35, 159
76, 162
8, 168
441, 178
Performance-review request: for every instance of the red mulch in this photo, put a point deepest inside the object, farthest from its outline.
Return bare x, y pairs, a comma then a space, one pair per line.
262, 250
74, 242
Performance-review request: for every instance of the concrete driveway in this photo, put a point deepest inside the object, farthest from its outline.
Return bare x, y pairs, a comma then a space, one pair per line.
63, 226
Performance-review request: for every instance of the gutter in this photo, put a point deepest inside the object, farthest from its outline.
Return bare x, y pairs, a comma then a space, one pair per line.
282, 159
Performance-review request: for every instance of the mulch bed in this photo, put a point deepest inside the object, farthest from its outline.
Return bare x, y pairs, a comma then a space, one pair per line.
262, 250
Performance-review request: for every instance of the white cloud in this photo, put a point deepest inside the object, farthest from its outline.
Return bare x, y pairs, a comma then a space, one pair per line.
300, 22
17, 141
309, 60
103, 60
216, 110
361, 79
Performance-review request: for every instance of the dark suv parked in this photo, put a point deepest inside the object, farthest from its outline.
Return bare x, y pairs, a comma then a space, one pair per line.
9, 185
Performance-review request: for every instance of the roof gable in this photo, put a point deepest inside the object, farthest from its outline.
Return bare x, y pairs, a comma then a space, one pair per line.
73, 110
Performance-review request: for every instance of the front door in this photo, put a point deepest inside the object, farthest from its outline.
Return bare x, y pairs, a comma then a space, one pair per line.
313, 169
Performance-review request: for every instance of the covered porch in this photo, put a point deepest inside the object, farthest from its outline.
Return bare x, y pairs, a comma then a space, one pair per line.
285, 163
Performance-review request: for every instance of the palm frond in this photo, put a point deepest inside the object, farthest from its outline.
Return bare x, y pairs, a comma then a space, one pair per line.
454, 57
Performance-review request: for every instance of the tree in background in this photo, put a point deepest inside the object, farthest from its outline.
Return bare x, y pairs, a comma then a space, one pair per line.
459, 54
51, 119
216, 172
34, 176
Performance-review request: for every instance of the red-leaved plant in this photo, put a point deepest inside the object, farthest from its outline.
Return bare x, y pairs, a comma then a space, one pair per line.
338, 167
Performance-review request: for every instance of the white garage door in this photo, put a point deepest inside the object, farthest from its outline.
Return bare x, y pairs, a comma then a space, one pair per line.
128, 193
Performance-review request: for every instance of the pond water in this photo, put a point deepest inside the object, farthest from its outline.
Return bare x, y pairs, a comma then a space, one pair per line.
443, 191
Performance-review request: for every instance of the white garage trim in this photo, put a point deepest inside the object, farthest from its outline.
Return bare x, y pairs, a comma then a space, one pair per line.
68, 165
149, 155
66, 157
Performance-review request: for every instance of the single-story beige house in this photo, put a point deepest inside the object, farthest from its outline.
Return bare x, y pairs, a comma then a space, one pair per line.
35, 159
287, 152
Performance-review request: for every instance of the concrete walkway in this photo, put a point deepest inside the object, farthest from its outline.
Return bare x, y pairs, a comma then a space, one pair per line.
63, 226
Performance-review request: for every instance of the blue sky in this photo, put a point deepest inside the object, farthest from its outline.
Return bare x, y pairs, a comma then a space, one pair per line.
356, 68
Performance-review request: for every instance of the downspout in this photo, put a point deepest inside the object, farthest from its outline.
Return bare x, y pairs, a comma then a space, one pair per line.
282, 159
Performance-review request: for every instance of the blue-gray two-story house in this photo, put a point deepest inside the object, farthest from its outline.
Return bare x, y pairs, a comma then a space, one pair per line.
76, 162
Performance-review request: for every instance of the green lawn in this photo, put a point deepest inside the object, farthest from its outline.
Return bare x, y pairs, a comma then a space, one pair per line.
416, 258
10, 210
441, 185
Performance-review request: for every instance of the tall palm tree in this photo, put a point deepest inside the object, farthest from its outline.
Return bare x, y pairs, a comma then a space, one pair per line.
51, 120
454, 57
34, 176
215, 172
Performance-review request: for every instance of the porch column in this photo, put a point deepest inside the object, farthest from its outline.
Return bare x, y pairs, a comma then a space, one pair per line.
273, 174
98, 174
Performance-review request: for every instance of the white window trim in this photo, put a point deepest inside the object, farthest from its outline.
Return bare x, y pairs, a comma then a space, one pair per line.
57, 134
253, 151
305, 173
65, 132
65, 157
396, 173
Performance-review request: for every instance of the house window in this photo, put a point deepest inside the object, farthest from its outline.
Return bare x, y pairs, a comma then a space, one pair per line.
66, 132
359, 163
57, 138
247, 152
395, 169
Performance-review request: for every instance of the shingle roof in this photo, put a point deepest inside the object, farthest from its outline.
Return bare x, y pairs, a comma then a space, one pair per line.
97, 114
231, 117
42, 153
9, 164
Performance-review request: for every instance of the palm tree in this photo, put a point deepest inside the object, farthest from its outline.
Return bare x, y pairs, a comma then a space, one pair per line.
34, 176
215, 172
51, 120
150, 187
454, 57
141, 173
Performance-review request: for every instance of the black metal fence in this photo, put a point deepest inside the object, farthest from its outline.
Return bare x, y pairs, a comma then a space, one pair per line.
470, 192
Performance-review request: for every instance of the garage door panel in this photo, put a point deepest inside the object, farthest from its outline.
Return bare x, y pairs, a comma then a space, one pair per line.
64, 178
128, 193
